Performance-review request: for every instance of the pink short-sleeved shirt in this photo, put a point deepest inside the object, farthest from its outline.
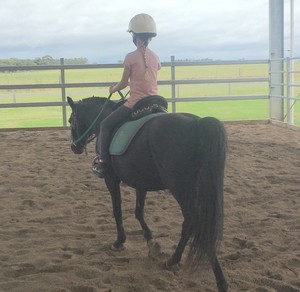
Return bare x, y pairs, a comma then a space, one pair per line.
143, 81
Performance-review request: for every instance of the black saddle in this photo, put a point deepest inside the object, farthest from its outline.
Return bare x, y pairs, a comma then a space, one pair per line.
148, 105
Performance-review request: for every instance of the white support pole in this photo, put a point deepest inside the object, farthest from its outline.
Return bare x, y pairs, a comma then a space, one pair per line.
276, 36
290, 102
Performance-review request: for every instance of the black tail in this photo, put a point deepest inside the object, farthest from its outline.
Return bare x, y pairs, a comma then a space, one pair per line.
207, 218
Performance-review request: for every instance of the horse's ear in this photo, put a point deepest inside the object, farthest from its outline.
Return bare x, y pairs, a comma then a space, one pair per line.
71, 102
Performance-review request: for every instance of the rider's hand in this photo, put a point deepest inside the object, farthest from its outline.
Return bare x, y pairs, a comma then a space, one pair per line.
112, 89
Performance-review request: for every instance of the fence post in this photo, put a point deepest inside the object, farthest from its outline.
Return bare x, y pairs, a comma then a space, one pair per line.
291, 102
173, 89
289, 92
63, 91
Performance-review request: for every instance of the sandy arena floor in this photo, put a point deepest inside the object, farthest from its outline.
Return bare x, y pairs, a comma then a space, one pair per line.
57, 225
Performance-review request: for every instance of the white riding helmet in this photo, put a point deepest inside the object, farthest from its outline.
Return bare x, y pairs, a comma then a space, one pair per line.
142, 24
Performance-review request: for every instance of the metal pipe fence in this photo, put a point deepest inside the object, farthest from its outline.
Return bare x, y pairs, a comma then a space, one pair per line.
173, 82
289, 86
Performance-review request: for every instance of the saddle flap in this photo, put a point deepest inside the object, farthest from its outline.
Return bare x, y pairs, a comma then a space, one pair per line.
125, 134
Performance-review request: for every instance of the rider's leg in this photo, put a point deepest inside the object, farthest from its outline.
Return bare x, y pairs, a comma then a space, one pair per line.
103, 141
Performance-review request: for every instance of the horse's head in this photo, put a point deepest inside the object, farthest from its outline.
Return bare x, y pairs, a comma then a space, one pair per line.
77, 122
85, 119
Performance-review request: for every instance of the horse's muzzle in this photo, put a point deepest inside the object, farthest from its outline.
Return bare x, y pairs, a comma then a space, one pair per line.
76, 149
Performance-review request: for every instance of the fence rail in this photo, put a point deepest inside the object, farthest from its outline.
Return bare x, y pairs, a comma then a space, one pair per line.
172, 82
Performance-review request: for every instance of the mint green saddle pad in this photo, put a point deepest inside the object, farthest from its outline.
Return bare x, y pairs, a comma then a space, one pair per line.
124, 135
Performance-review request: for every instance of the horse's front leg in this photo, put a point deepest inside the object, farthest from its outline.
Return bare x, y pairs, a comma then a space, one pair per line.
113, 185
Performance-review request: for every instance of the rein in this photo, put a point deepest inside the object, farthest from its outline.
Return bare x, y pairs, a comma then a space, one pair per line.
96, 120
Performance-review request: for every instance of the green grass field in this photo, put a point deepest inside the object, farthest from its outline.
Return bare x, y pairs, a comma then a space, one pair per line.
224, 110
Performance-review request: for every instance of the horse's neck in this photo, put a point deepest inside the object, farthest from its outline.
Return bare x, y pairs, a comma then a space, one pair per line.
104, 114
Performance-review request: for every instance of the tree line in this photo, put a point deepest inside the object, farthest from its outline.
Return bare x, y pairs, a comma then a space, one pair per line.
45, 60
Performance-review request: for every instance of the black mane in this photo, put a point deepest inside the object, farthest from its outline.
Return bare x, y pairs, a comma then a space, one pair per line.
94, 100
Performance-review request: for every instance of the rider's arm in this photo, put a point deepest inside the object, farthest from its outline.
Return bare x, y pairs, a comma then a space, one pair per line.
124, 81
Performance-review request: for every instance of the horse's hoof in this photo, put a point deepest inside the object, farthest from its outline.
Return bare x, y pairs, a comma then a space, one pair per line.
223, 287
120, 247
172, 267
154, 248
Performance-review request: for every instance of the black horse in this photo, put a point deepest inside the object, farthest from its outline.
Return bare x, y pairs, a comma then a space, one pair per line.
179, 152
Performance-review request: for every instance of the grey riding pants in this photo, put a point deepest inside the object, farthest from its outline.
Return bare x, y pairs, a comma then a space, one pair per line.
107, 127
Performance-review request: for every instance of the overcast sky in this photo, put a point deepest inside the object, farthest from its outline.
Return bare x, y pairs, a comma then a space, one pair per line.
96, 29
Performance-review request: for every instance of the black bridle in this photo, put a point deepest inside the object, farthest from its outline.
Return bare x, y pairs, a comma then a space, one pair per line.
88, 134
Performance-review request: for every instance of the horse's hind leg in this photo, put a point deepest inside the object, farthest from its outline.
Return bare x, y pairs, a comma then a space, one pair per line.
185, 234
154, 247
139, 213
220, 279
